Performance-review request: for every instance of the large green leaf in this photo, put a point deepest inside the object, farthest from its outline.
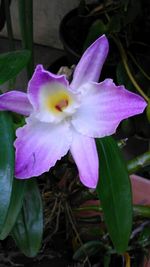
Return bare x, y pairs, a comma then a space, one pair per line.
28, 229
12, 63
16, 202
6, 163
114, 192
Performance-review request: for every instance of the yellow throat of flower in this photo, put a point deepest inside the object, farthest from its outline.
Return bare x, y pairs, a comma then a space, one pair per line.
58, 102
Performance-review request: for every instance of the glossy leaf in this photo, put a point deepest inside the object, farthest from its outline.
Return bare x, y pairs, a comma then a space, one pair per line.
28, 229
114, 192
12, 63
16, 202
88, 249
97, 28
6, 163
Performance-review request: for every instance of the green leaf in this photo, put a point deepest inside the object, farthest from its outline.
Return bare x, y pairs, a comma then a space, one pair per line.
97, 28
143, 239
16, 202
114, 192
12, 63
148, 112
6, 163
107, 259
88, 249
114, 25
122, 77
28, 229
134, 9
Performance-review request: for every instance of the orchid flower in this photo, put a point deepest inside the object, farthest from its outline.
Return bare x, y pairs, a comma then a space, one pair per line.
63, 117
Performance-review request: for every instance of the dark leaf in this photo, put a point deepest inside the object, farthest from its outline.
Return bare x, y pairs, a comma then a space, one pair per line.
122, 77
88, 249
114, 24
148, 112
6, 163
12, 63
97, 28
28, 229
114, 192
16, 201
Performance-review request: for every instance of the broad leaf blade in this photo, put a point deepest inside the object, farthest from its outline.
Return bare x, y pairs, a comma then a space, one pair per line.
28, 229
6, 163
114, 192
16, 202
12, 63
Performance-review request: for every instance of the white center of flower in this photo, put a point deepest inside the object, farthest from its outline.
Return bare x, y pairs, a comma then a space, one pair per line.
56, 103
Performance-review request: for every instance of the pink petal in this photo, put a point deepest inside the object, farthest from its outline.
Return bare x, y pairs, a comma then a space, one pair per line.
91, 63
16, 101
84, 152
40, 78
38, 147
104, 106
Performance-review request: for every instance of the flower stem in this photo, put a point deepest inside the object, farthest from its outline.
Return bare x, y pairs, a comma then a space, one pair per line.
10, 35
138, 210
9, 24
26, 26
139, 67
128, 71
139, 162
141, 211
127, 259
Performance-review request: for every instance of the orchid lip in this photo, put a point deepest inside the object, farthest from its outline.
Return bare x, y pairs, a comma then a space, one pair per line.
62, 104
58, 101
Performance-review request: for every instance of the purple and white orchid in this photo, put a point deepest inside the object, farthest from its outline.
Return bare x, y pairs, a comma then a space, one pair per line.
63, 117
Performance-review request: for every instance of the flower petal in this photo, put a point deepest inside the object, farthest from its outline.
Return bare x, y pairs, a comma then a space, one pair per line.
42, 78
83, 150
16, 101
90, 64
38, 147
104, 105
